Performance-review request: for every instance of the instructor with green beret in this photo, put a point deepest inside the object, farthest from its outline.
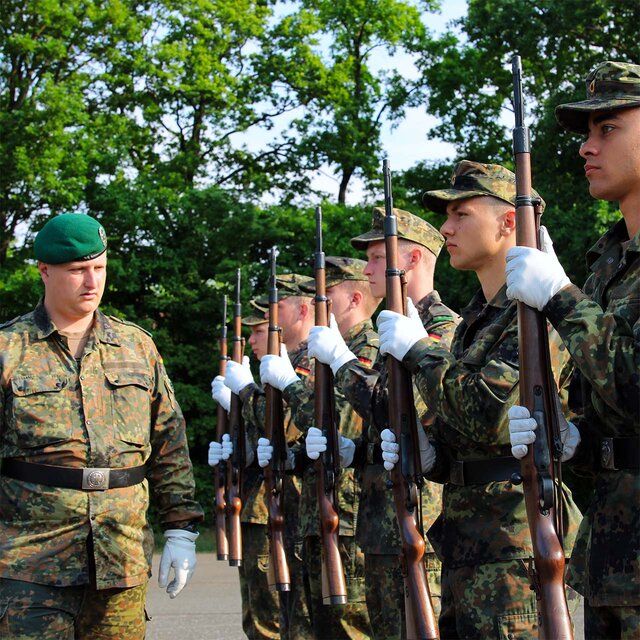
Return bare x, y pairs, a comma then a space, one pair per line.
90, 431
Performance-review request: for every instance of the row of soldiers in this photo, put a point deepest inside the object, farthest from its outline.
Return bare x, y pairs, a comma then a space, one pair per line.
466, 372
91, 431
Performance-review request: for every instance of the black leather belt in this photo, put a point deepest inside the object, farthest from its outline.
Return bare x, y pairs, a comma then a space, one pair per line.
467, 472
620, 454
90, 479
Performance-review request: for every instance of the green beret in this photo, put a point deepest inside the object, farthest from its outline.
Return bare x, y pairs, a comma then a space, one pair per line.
610, 86
339, 269
410, 227
473, 179
70, 237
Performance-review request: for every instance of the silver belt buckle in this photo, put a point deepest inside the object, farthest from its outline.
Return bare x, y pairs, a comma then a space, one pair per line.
606, 454
95, 479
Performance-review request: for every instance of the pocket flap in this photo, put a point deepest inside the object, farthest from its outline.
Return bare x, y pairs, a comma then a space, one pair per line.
27, 386
124, 378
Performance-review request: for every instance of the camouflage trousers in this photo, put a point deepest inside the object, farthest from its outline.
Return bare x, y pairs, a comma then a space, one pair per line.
30, 611
488, 601
384, 588
260, 606
611, 623
328, 622
299, 617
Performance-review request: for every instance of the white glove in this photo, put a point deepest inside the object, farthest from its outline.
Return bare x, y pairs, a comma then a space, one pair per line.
277, 370
315, 444
535, 276
238, 376
390, 450
221, 393
180, 553
265, 453
220, 451
398, 333
327, 345
522, 433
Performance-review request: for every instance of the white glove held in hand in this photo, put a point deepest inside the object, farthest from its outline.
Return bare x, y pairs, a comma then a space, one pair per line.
398, 333
534, 276
327, 345
278, 370
265, 453
522, 433
180, 554
390, 450
238, 376
221, 393
315, 444
220, 451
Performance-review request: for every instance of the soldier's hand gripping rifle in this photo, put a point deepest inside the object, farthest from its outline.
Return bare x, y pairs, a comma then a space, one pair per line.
222, 544
236, 428
334, 588
274, 472
540, 468
406, 477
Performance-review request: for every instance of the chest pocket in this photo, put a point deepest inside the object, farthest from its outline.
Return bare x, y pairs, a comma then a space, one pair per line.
42, 406
129, 399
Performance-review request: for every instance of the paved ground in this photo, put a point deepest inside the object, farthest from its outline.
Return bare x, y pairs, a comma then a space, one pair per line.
209, 607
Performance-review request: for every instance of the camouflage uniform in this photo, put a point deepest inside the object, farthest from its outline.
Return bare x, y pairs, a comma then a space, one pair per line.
352, 620
600, 327
115, 407
254, 512
482, 534
365, 387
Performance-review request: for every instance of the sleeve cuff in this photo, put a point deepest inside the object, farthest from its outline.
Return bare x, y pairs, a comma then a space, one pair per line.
248, 391
563, 303
291, 391
416, 354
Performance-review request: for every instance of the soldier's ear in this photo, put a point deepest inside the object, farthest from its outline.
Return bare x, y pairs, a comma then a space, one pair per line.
356, 298
508, 225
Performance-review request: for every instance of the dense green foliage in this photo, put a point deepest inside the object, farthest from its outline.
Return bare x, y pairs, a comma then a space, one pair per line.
174, 123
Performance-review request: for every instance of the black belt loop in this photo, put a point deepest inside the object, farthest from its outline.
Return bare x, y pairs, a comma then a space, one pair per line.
620, 454
467, 472
91, 479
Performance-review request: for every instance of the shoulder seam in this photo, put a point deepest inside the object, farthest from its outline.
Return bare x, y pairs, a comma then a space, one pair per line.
128, 323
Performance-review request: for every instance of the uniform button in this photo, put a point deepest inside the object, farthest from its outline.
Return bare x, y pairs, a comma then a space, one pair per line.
89, 423
81, 377
609, 260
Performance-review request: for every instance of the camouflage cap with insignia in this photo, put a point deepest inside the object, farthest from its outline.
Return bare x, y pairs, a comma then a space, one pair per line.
70, 237
339, 269
472, 179
610, 86
410, 227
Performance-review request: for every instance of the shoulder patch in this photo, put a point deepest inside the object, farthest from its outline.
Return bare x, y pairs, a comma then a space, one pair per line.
130, 324
303, 371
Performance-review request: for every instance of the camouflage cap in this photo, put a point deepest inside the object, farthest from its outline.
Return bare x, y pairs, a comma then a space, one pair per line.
472, 179
339, 269
410, 227
70, 237
253, 321
256, 304
289, 285
610, 86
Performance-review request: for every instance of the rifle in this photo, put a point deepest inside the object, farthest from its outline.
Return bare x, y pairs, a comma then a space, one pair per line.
222, 544
406, 477
236, 428
278, 577
334, 588
540, 468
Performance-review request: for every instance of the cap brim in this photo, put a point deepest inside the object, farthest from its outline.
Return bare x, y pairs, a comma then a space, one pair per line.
574, 116
438, 200
253, 321
360, 242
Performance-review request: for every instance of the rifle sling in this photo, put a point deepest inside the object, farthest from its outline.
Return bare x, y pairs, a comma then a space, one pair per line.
468, 472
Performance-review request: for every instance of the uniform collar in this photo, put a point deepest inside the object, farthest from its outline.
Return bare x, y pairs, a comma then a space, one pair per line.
613, 238
357, 329
479, 303
102, 327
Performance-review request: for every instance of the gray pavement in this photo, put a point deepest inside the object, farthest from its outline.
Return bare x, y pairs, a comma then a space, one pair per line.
208, 608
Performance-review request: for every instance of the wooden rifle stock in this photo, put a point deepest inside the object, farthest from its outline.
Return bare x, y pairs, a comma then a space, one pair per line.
222, 544
334, 588
236, 428
406, 476
540, 468
279, 578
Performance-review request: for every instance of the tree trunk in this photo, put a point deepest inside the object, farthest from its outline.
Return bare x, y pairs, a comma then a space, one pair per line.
347, 172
